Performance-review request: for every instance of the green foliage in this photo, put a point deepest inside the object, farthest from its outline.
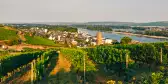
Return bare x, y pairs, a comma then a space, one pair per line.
13, 41
2, 53
76, 57
161, 68
157, 33
153, 78
138, 28
108, 56
26, 49
42, 63
99, 28
6, 34
156, 77
164, 47
63, 28
11, 62
146, 52
66, 29
36, 40
50, 27
126, 40
166, 81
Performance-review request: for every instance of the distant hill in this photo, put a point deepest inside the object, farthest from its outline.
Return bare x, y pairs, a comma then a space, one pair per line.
161, 23
110, 23
158, 23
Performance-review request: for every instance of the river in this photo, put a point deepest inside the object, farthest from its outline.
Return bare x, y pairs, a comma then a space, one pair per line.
118, 37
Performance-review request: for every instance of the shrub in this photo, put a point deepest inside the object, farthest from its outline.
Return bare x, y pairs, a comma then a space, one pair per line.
13, 41
156, 77
126, 40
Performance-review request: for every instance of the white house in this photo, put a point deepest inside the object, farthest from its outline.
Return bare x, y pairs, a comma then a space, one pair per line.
59, 38
93, 43
45, 30
87, 40
108, 41
51, 37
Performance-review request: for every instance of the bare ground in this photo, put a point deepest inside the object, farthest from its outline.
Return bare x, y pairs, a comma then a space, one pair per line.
24, 79
21, 46
62, 63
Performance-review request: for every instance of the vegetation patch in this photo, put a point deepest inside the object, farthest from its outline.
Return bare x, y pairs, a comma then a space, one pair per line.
36, 40
6, 34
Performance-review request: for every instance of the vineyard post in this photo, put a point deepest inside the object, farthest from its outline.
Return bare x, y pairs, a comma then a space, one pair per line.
32, 72
127, 60
84, 68
35, 71
33, 75
161, 55
0, 67
0, 71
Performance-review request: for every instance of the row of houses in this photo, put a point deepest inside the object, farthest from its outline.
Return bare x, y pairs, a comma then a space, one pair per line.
80, 39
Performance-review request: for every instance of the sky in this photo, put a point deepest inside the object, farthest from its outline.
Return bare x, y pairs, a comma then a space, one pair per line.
83, 10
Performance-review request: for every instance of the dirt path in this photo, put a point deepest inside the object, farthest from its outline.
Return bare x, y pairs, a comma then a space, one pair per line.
56, 66
62, 63
24, 79
21, 46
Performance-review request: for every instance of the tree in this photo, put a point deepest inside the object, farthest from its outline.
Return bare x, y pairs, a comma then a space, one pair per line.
115, 42
125, 40
13, 41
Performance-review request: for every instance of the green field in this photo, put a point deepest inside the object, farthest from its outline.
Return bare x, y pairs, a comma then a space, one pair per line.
36, 40
6, 34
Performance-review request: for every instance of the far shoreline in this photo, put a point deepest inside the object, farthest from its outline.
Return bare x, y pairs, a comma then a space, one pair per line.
132, 34
140, 35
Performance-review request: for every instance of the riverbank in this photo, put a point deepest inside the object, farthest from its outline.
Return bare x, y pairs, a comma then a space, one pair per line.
118, 35
140, 35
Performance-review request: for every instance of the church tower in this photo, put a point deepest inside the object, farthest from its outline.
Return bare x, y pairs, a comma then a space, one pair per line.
99, 38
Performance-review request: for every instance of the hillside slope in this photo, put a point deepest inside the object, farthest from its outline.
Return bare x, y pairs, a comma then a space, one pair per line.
6, 34
36, 40
158, 23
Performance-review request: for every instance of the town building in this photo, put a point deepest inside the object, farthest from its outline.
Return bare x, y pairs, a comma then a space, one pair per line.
108, 41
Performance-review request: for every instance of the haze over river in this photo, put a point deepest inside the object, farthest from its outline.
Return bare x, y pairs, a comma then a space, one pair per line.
118, 37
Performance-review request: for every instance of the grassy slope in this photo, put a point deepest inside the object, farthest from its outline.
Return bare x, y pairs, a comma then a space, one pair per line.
36, 40
6, 34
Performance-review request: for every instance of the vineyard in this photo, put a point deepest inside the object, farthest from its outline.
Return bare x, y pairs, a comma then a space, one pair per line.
122, 63
128, 60
15, 65
75, 75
